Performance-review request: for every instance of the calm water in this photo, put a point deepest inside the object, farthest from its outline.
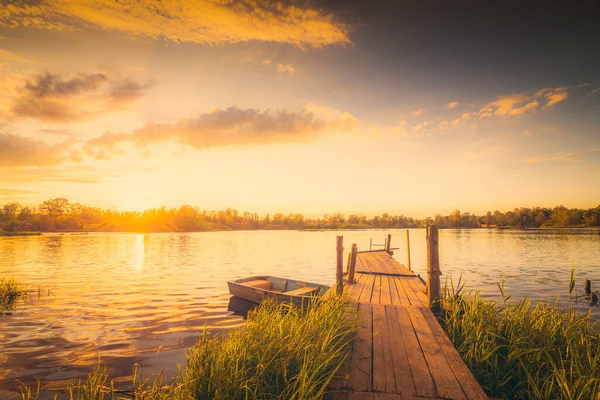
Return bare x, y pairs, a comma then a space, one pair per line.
130, 298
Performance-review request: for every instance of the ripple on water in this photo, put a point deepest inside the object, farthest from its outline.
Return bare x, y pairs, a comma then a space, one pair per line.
129, 298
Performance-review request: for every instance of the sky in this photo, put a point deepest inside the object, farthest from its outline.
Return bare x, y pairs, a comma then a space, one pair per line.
412, 107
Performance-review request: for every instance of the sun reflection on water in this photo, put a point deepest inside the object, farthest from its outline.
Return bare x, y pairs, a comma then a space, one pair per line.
139, 252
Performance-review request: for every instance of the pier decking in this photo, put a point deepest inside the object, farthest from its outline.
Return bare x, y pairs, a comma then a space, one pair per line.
400, 351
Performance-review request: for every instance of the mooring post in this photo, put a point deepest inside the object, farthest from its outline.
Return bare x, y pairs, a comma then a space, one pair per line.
388, 242
339, 272
587, 287
433, 268
352, 263
408, 250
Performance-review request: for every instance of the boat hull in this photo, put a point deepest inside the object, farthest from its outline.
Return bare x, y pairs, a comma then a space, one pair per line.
280, 290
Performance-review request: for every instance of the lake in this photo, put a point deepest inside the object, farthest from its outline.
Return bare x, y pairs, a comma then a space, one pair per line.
145, 298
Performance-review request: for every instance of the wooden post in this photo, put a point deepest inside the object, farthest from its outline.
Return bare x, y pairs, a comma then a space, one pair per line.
352, 263
587, 287
408, 250
339, 271
433, 269
388, 242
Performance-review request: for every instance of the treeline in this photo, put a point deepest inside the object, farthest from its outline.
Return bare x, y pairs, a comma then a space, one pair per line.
61, 215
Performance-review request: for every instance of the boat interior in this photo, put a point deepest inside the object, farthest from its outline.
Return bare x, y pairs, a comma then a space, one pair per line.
285, 286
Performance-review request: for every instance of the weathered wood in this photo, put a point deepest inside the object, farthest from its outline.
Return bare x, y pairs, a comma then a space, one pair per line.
340, 265
383, 372
408, 250
401, 367
422, 379
352, 268
400, 351
388, 242
301, 291
587, 287
445, 382
467, 381
433, 268
361, 370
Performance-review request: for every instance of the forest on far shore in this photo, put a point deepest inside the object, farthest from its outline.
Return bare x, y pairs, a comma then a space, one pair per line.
55, 215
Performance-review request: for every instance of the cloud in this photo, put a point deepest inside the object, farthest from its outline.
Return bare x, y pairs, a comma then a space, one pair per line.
6, 55
56, 98
18, 151
418, 112
517, 105
568, 157
12, 192
452, 104
597, 90
229, 127
283, 68
194, 21
266, 62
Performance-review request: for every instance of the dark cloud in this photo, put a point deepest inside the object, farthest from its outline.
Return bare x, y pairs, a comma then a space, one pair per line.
231, 126
56, 98
50, 85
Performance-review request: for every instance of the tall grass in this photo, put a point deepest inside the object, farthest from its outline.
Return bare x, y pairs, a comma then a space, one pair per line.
10, 293
525, 349
282, 352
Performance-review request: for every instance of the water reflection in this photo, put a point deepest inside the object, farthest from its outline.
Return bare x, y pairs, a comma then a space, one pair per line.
102, 309
139, 252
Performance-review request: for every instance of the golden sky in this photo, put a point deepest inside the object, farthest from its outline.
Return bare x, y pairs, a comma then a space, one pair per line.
278, 107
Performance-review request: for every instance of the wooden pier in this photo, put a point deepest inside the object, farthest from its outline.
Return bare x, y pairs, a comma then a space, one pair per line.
400, 351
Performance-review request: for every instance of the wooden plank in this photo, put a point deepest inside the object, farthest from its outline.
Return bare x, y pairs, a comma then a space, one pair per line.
400, 363
383, 371
360, 396
367, 293
399, 296
301, 291
445, 382
336, 396
361, 370
419, 291
466, 379
404, 287
386, 297
422, 379
376, 290
355, 289
387, 396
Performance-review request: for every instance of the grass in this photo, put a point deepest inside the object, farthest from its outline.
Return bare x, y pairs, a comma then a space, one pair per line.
10, 294
282, 352
525, 349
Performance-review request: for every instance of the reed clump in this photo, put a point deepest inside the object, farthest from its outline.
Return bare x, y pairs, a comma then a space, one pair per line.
525, 349
282, 352
11, 293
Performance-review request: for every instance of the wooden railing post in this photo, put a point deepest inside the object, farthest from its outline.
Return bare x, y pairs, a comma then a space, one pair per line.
433, 269
408, 250
352, 263
339, 271
388, 242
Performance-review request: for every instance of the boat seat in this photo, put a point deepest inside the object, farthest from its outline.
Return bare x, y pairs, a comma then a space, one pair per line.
301, 291
259, 283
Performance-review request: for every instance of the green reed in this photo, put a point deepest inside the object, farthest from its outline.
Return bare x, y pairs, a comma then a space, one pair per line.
525, 349
10, 293
282, 352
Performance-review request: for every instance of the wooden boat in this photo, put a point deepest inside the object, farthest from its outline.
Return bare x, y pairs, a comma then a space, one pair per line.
256, 288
